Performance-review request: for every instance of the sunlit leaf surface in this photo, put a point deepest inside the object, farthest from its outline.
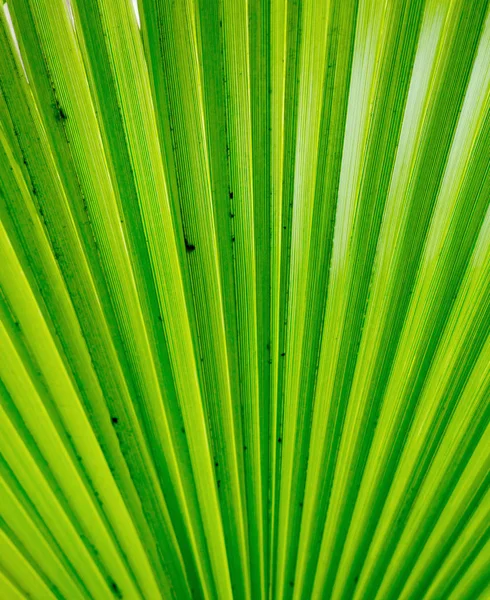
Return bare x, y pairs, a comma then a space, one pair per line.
245, 299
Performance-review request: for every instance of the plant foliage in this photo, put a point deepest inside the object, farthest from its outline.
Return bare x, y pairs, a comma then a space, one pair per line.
245, 299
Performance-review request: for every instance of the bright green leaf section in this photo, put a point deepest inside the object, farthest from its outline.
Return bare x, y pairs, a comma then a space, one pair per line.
244, 299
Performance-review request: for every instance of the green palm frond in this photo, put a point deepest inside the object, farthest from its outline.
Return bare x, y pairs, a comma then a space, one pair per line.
245, 299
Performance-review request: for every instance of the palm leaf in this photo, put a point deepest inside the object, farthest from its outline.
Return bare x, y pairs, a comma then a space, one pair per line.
244, 308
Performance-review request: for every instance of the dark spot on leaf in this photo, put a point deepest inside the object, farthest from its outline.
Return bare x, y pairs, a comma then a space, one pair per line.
219, 482
283, 354
279, 440
245, 447
115, 588
189, 247
60, 113
114, 420
231, 195
160, 318
232, 215
183, 430
356, 578
232, 238
216, 464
